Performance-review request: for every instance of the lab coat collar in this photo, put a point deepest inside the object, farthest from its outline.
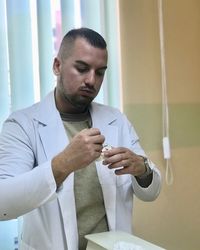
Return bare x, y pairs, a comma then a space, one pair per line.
47, 112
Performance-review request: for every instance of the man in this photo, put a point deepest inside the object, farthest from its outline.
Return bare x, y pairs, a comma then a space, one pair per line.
50, 156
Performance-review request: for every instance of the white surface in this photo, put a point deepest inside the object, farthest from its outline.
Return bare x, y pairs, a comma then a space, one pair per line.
121, 245
111, 240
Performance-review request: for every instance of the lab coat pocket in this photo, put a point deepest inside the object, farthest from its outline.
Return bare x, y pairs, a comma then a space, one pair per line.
123, 180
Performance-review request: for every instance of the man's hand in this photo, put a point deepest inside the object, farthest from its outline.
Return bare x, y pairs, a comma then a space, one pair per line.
84, 148
124, 159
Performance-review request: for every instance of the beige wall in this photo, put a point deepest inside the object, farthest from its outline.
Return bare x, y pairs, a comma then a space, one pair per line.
173, 220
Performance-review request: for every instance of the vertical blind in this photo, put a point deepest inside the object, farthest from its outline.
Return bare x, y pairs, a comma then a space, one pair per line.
30, 34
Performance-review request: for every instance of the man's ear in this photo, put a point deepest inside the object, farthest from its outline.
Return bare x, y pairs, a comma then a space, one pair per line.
56, 66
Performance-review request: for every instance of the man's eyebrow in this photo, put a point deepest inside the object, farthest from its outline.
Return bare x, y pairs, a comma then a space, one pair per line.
87, 65
81, 62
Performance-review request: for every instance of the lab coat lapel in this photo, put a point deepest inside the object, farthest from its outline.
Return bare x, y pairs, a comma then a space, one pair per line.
51, 129
103, 121
53, 137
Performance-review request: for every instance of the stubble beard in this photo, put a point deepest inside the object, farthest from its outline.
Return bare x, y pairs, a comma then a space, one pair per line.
78, 102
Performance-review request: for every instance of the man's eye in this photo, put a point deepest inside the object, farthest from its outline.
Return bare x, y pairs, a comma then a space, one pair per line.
100, 72
81, 70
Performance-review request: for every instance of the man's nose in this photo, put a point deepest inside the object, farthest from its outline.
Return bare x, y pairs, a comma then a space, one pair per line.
90, 78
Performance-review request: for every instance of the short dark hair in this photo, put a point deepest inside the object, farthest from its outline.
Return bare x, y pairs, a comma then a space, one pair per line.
91, 36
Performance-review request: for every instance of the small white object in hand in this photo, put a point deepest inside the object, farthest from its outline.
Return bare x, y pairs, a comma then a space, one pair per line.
121, 245
105, 148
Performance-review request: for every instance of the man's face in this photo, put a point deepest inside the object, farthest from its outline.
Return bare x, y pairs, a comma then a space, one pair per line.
79, 76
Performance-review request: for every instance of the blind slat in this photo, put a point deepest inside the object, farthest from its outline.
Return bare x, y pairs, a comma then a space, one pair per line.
45, 44
4, 69
20, 53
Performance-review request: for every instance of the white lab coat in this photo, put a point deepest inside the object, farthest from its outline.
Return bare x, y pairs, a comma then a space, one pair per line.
30, 139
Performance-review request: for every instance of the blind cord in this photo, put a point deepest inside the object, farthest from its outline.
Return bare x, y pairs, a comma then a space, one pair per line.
165, 110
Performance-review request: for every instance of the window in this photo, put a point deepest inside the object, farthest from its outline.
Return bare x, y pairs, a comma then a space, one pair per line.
30, 34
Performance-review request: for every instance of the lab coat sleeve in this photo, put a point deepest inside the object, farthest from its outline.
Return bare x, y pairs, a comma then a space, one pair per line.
151, 192
24, 185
